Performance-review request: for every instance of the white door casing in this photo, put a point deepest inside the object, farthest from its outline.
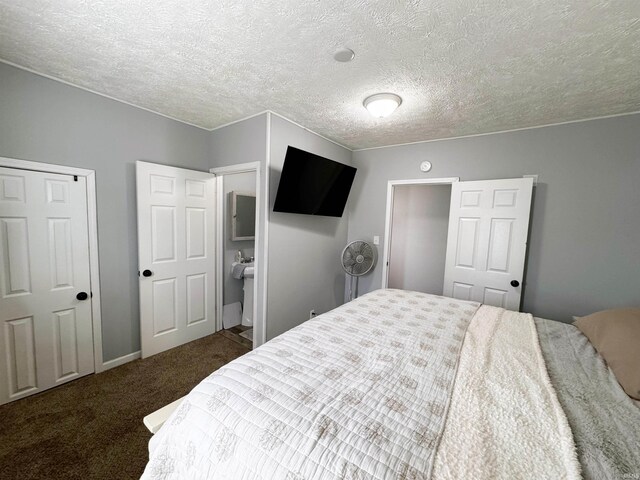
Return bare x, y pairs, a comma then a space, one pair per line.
487, 241
259, 323
176, 248
46, 333
388, 226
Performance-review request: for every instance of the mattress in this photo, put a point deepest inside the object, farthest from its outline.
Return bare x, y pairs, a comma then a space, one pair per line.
394, 385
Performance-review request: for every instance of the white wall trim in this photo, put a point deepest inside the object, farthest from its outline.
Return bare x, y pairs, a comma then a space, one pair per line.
70, 84
96, 310
533, 127
116, 362
388, 222
65, 82
424, 181
43, 167
219, 260
260, 263
238, 121
309, 130
92, 226
237, 168
265, 250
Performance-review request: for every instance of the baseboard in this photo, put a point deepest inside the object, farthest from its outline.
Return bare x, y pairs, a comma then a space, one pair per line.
116, 362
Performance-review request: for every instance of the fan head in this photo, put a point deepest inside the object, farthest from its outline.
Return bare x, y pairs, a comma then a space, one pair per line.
358, 258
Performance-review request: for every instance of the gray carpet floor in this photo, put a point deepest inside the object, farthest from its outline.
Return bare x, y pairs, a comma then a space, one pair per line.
91, 428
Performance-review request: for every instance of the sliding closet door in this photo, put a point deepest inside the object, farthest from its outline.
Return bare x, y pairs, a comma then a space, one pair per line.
487, 241
176, 250
46, 330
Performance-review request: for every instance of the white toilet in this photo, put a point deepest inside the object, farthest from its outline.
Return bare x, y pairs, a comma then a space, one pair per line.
247, 309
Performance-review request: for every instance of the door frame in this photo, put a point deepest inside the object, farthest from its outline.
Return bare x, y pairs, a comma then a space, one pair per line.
92, 224
259, 314
388, 222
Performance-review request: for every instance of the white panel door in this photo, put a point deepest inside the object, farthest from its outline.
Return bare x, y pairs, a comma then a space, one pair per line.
176, 250
487, 241
46, 334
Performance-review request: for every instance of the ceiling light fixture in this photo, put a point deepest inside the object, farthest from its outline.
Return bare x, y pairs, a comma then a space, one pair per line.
382, 104
344, 55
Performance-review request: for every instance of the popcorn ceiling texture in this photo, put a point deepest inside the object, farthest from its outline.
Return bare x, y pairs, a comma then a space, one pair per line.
462, 67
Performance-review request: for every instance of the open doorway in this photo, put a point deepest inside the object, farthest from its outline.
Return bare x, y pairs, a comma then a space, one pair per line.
473, 250
419, 238
416, 235
239, 207
238, 246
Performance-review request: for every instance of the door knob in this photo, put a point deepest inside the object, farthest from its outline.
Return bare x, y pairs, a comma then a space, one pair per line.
82, 296
147, 273
515, 283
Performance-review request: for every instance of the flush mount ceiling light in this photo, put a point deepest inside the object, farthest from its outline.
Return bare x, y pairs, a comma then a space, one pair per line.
344, 55
382, 104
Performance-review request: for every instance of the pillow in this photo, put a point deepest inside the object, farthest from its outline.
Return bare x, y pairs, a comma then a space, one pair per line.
615, 334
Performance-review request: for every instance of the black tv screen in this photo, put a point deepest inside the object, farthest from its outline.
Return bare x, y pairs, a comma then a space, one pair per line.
313, 185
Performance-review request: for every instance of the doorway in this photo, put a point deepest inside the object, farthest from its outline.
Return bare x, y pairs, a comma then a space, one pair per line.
49, 288
240, 242
238, 262
418, 244
473, 250
416, 228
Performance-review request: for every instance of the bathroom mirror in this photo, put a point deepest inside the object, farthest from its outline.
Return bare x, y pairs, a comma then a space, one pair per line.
243, 216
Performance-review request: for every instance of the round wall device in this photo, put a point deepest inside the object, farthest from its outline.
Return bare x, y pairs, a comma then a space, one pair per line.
425, 166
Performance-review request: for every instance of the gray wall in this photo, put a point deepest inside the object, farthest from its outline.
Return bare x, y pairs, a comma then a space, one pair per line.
46, 121
233, 288
304, 272
584, 248
304, 250
419, 237
240, 142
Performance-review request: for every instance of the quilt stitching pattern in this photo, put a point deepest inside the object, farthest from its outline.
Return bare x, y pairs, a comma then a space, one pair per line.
359, 392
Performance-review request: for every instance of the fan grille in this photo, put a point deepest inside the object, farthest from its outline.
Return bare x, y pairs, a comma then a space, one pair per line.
358, 258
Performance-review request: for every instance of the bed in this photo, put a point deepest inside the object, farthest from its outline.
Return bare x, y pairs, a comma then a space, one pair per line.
408, 386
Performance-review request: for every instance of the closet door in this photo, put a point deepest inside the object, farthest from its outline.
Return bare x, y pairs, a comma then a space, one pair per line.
46, 331
487, 241
176, 255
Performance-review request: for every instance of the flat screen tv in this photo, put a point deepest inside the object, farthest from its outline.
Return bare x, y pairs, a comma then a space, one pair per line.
313, 185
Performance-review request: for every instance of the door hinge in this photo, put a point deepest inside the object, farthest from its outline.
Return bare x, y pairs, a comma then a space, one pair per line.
75, 178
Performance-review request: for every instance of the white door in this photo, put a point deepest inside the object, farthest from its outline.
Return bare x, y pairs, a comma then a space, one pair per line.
46, 334
487, 241
176, 255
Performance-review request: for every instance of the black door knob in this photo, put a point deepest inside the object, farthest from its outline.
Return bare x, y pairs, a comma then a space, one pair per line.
515, 283
82, 296
147, 273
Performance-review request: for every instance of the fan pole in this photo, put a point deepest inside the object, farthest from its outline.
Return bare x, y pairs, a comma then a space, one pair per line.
357, 279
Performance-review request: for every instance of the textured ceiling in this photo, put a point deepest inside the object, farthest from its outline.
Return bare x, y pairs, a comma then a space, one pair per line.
461, 66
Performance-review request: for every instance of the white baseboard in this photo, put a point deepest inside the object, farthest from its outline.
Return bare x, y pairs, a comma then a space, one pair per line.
116, 362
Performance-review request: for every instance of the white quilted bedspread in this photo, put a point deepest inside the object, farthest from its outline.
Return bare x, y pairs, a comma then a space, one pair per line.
361, 392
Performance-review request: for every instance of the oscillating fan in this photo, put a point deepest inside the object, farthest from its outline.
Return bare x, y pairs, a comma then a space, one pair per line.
358, 258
